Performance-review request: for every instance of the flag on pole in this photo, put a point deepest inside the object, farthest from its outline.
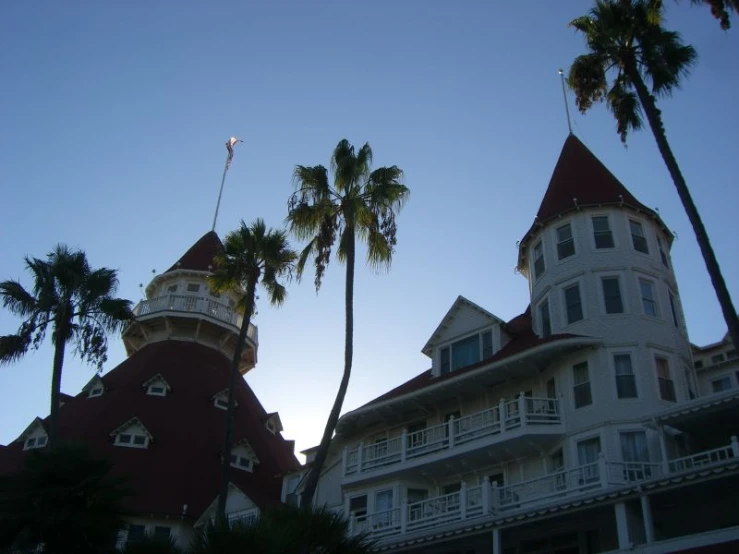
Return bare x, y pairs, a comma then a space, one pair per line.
230, 147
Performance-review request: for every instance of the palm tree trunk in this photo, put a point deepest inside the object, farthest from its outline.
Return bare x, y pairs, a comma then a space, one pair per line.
56, 384
333, 418
227, 438
654, 117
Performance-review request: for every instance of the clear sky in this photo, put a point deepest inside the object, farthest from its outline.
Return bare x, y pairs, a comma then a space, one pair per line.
113, 118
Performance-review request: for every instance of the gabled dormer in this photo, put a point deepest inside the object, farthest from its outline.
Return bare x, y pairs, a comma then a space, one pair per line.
156, 386
272, 423
243, 456
220, 400
95, 387
35, 435
132, 434
466, 335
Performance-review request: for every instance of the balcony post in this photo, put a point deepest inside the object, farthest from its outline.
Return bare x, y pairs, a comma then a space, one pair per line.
344, 459
734, 446
485, 494
451, 431
646, 510
501, 414
663, 448
403, 516
522, 408
497, 547
495, 504
463, 500
359, 457
602, 470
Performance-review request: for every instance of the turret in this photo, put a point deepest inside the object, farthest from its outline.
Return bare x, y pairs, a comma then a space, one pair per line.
180, 305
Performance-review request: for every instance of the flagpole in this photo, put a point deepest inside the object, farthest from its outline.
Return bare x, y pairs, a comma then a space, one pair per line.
564, 95
220, 192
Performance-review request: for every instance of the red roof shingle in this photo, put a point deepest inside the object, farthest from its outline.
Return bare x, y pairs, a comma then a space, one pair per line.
182, 464
200, 255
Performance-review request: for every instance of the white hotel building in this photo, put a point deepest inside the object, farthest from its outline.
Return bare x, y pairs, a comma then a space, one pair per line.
588, 423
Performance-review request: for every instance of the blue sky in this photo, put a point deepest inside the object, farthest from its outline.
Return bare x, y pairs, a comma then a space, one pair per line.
114, 116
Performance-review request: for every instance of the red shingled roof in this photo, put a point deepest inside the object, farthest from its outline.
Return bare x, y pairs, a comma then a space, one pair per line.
200, 255
182, 464
522, 338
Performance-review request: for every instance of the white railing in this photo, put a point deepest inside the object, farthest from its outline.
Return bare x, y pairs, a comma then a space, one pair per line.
518, 413
245, 517
194, 303
480, 501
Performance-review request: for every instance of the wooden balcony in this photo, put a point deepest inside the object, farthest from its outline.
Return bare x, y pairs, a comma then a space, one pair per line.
509, 419
490, 500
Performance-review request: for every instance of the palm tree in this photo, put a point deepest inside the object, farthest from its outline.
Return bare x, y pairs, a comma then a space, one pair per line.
76, 302
249, 254
361, 204
626, 41
284, 530
720, 9
65, 499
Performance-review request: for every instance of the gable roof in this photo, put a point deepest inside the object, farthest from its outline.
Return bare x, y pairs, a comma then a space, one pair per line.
200, 255
580, 179
130, 423
459, 304
38, 422
187, 427
156, 379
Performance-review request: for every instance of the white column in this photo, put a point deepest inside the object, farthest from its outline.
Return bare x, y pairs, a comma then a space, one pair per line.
622, 525
451, 431
496, 496
501, 414
403, 516
485, 495
646, 510
403, 443
522, 408
602, 470
734, 446
497, 546
359, 457
344, 458
663, 446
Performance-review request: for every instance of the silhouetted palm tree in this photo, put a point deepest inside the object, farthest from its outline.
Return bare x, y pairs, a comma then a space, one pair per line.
361, 204
249, 254
626, 41
72, 299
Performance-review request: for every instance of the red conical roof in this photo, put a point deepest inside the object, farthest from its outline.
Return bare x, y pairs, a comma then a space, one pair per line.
579, 174
200, 255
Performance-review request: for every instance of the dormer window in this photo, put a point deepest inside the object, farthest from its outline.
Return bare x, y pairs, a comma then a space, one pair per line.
243, 457
273, 423
94, 387
466, 352
156, 386
97, 390
132, 434
35, 442
220, 400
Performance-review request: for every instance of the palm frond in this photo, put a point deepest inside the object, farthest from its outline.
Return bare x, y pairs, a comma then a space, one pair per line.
587, 79
14, 347
17, 299
720, 9
97, 284
625, 106
665, 59
114, 312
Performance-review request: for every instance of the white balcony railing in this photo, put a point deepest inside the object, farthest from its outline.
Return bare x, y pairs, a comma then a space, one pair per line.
193, 303
521, 412
489, 498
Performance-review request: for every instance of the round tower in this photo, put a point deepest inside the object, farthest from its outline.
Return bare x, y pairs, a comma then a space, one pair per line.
598, 264
180, 305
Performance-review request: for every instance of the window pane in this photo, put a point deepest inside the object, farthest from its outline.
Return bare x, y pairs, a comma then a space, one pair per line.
41, 441
634, 447
720, 385
124, 438
574, 305
136, 533
625, 379
602, 232
666, 384
581, 390
445, 363
193, 287
717, 358
161, 531
546, 322
487, 344
565, 244
539, 266
662, 253
612, 295
139, 440
673, 309
647, 298
637, 237
466, 352
588, 451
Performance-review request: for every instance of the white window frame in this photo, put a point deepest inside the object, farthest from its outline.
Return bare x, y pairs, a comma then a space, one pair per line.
610, 229
621, 294
570, 240
481, 348
156, 385
95, 391
565, 287
719, 380
652, 283
575, 384
236, 463
220, 402
39, 441
172, 289
640, 225
662, 249
189, 285
631, 355
366, 513
671, 373
541, 319
131, 442
534, 258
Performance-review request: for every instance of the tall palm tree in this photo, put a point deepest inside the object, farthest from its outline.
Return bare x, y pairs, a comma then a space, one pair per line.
249, 254
626, 41
72, 299
361, 204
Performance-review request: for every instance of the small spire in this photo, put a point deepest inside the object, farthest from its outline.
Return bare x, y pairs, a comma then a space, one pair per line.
564, 95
